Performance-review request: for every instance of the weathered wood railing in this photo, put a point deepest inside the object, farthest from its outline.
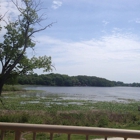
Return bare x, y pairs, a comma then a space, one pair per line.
87, 131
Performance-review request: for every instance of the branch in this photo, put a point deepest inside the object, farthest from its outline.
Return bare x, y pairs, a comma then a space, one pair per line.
16, 4
1, 62
48, 26
28, 22
1, 17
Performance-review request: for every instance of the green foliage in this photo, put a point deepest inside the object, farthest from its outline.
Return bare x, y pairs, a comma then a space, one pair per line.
16, 41
63, 80
28, 65
19, 118
52, 109
103, 122
11, 88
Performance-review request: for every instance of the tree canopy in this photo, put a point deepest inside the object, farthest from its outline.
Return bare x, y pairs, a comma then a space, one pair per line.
53, 79
63, 80
18, 38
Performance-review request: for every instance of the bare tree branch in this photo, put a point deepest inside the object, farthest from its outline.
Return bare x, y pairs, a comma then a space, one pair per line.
48, 26
1, 17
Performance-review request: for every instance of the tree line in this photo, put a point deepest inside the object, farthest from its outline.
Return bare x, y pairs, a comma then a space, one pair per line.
65, 80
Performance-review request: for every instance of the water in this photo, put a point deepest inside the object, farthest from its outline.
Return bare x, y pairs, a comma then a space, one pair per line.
119, 94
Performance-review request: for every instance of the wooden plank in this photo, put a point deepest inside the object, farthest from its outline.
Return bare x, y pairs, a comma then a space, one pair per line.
2, 135
34, 135
17, 135
69, 136
86, 137
51, 136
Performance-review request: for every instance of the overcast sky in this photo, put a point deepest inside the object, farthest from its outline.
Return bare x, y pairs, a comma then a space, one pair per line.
91, 37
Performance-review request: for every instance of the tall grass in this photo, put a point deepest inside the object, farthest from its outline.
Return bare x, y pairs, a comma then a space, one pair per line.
12, 88
55, 110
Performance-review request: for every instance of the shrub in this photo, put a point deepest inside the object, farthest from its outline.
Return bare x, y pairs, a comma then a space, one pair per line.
103, 121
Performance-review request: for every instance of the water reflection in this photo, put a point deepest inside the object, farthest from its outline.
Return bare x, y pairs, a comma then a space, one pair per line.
27, 102
119, 94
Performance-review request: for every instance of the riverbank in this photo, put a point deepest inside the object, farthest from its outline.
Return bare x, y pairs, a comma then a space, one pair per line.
23, 107
53, 109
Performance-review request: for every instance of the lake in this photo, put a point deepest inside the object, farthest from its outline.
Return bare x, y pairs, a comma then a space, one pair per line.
119, 94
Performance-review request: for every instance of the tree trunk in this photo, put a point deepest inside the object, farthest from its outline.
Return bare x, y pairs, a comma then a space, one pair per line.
1, 85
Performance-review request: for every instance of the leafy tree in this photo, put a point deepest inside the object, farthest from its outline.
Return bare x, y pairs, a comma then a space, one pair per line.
16, 41
64, 80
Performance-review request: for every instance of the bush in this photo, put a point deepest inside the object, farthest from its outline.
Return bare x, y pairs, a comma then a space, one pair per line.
11, 88
103, 121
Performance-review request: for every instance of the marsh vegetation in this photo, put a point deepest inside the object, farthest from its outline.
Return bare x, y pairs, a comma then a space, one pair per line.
22, 107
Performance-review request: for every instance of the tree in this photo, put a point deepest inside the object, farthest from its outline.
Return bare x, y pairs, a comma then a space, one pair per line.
18, 38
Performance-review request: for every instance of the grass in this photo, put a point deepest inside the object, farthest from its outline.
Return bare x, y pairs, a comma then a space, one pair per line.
12, 88
21, 107
54, 110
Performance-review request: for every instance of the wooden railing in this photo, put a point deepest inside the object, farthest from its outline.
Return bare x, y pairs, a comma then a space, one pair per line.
87, 131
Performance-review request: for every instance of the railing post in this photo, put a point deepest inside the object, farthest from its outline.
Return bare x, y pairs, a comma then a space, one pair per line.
86, 137
17, 135
125, 138
105, 138
51, 136
34, 135
69, 136
2, 135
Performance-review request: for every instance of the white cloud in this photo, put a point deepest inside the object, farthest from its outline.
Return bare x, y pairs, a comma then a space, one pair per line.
108, 57
105, 22
8, 11
56, 4
126, 44
137, 20
8, 8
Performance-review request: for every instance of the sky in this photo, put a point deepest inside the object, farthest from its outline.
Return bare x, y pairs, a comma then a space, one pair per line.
89, 37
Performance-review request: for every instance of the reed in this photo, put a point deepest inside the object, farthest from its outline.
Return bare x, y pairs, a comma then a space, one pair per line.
22, 107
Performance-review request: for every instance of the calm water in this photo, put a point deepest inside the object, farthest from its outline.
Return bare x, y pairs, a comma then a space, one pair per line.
119, 94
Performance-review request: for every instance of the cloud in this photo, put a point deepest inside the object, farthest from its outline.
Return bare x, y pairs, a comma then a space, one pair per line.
107, 46
137, 21
116, 54
105, 22
56, 4
8, 8
9, 12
